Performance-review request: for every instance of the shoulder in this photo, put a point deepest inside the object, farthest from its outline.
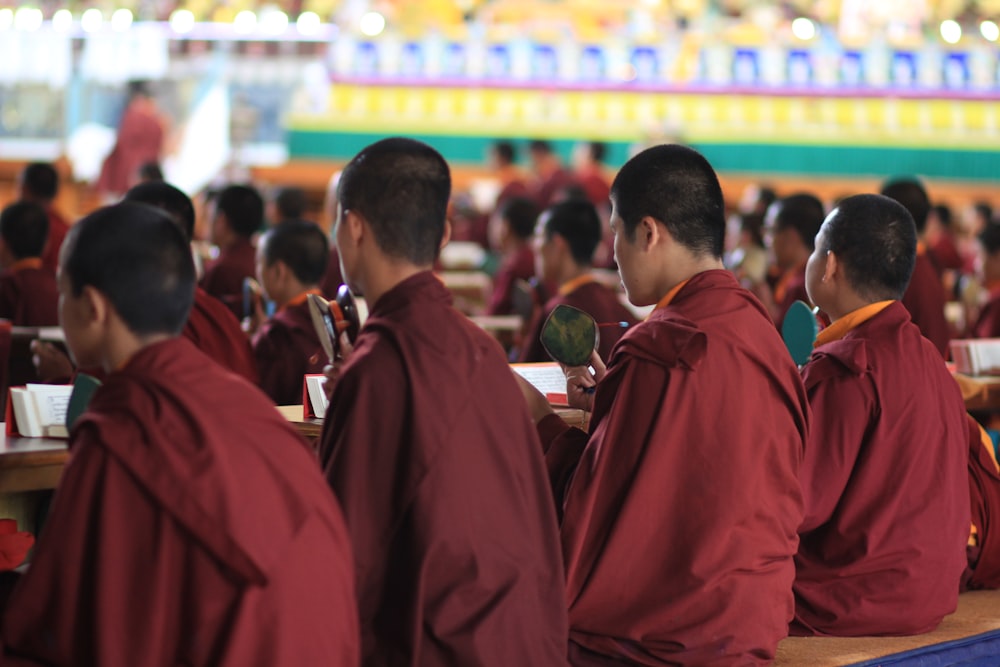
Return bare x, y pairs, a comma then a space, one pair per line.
848, 357
666, 339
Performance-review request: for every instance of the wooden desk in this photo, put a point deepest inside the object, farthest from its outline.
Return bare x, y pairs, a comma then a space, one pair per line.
980, 393
309, 428
31, 464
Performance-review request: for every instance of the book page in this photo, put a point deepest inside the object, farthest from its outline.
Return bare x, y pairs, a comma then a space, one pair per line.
52, 402
546, 377
316, 386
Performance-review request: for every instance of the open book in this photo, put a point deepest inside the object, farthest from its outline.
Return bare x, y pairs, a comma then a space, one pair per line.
39, 410
315, 403
976, 357
546, 377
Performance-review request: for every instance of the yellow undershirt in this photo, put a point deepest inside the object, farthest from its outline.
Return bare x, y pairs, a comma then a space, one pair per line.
301, 298
26, 263
841, 327
665, 301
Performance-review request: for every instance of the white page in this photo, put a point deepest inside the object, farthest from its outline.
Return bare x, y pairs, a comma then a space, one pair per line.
546, 377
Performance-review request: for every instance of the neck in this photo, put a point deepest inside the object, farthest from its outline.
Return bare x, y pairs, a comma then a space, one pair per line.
685, 269
571, 271
846, 305
385, 277
125, 346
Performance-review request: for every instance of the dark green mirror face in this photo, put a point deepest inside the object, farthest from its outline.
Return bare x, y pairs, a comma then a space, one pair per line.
799, 331
570, 336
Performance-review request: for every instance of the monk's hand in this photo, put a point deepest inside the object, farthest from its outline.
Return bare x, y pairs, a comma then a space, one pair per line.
333, 370
50, 362
538, 405
581, 382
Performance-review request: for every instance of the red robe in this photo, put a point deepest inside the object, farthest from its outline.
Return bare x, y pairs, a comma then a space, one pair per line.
519, 266
191, 526
547, 190
140, 140
984, 493
217, 333
29, 295
224, 276
593, 298
287, 348
57, 233
988, 323
430, 449
679, 522
594, 183
884, 478
925, 299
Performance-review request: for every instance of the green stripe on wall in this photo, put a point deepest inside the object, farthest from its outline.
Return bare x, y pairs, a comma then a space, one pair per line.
846, 161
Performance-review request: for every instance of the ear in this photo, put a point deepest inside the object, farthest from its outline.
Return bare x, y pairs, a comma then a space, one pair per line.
649, 233
833, 269
97, 308
446, 236
354, 225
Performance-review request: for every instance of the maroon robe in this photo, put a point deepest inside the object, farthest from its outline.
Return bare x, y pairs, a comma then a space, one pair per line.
217, 333
29, 296
140, 140
191, 526
679, 523
925, 299
224, 276
430, 449
287, 348
984, 495
518, 266
882, 546
595, 185
988, 323
547, 190
945, 253
593, 298
57, 233
332, 279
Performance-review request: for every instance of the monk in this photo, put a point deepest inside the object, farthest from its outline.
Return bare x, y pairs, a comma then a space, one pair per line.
210, 325
884, 476
191, 525
28, 293
565, 241
291, 261
680, 508
987, 322
925, 296
550, 176
39, 183
429, 447
510, 233
790, 227
983, 549
588, 170
140, 140
238, 213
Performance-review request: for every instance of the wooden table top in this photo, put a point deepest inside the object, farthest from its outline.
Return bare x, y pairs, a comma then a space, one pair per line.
31, 464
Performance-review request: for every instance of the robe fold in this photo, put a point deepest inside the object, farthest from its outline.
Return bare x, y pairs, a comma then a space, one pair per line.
984, 495
429, 448
925, 300
519, 266
216, 332
29, 297
287, 348
680, 511
192, 527
224, 276
882, 545
593, 298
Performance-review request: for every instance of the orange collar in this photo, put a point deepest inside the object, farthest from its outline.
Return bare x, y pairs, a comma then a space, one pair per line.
665, 301
841, 327
301, 298
26, 263
921, 248
573, 285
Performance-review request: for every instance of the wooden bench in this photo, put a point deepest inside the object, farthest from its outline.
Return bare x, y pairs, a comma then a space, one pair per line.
970, 636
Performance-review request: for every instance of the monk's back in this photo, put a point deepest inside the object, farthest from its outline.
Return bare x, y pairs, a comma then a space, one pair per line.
680, 527
885, 554
430, 449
